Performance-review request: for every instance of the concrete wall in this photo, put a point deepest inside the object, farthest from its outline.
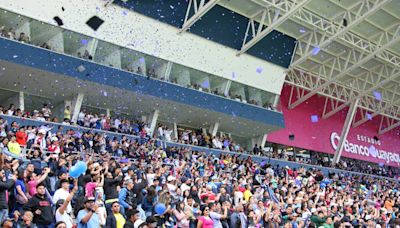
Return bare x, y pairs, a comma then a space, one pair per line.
133, 30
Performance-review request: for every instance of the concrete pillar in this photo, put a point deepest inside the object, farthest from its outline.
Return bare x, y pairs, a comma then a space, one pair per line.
276, 101
108, 112
204, 131
345, 131
21, 101
214, 129
227, 87
168, 71
76, 106
153, 121
175, 131
57, 42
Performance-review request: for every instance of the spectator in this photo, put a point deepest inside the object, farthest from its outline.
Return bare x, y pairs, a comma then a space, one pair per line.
40, 205
14, 147
88, 217
5, 186
63, 205
115, 219
67, 113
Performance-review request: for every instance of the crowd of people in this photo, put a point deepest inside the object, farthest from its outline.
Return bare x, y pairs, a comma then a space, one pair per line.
128, 180
185, 136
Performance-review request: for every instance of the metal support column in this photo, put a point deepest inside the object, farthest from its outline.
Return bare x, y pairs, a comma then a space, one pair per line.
346, 128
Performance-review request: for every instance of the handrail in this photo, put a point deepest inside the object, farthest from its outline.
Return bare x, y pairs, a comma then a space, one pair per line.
202, 149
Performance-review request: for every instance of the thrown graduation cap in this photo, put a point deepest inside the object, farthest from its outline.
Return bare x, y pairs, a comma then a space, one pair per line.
95, 22
58, 20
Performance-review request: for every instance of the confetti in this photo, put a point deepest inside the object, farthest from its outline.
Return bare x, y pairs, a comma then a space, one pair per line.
233, 75
314, 118
369, 116
302, 30
205, 84
95, 22
58, 21
81, 68
259, 70
315, 50
15, 56
84, 41
105, 93
124, 13
377, 95
372, 151
62, 8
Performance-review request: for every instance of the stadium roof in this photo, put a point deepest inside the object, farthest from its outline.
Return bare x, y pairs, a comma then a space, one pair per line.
346, 50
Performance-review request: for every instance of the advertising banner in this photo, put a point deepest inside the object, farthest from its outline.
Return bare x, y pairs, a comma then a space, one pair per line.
322, 135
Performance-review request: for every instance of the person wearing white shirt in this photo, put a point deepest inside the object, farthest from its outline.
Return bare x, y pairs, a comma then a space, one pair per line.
62, 208
62, 194
185, 185
167, 134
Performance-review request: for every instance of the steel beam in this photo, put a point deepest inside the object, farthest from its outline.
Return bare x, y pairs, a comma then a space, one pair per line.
389, 128
345, 131
200, 9
362, 59
364, 93
338, 30
376, 113
273, 21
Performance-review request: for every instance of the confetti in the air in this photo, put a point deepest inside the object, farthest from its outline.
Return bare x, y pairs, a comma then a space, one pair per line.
377, 95
15, 56
314, 118
369, 116
105, 93
81, 68
95, 22
58, 21
84, 41
372, 151
259, 70
315, 50
302, 30
233, 75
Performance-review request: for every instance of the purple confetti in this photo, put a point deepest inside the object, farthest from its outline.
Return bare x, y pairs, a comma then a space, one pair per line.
259, 70
124, 13
141, 60
369, 116
105, 93
315, 50
302, 30
205, 84
314, 118
84, 41
377, 95
372, 151
233, 75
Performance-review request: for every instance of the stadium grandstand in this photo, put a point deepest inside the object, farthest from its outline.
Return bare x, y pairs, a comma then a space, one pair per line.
199, 113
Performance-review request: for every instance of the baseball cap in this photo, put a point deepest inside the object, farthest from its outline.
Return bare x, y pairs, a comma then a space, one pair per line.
88, 199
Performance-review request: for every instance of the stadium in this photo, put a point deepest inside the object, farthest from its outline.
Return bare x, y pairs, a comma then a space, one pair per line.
199, 113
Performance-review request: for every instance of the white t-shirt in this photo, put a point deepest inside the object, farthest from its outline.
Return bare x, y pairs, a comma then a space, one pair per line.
64, 217
62, 194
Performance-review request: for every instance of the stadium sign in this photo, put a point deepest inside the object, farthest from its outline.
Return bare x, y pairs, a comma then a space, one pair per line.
363, 150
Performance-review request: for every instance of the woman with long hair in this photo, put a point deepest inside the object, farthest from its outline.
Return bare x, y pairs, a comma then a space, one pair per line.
205, 220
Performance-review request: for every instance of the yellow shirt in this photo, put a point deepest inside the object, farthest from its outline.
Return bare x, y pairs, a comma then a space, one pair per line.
120, 220
67, 114
246, 195
14, 148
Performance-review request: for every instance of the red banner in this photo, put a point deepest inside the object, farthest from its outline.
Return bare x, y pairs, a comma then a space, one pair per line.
314, 133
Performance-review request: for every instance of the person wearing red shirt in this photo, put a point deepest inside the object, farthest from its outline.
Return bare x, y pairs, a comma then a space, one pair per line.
209, 194
21, 136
